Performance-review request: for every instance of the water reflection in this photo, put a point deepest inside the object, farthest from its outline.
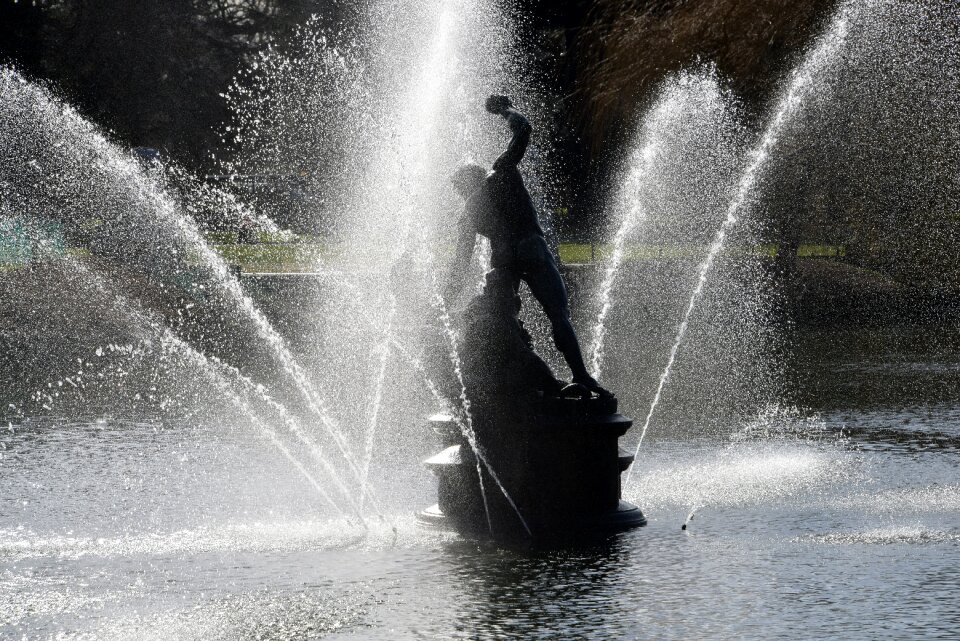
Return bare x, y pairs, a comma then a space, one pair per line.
540, 595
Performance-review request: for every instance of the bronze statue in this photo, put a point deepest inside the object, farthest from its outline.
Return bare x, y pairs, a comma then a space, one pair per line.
499, 361
498, 206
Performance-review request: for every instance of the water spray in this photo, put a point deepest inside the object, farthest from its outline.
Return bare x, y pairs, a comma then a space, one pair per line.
689, 518
789, 106
466, 425
219, 374
635, 213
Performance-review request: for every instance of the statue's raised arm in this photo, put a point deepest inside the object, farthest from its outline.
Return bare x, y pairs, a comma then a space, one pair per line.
519, 126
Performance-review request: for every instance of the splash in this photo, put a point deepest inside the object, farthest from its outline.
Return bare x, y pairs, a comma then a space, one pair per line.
687, 154
465, 422
802, 83
57, 164
634, 212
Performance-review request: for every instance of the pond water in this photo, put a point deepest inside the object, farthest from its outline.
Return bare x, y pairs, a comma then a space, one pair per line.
838, 521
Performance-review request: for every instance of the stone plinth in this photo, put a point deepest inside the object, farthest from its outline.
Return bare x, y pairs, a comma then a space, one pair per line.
559, 461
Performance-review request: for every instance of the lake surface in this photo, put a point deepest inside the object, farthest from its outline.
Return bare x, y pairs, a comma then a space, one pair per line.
838, 520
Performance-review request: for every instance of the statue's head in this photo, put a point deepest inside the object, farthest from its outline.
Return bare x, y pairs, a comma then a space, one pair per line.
468, 179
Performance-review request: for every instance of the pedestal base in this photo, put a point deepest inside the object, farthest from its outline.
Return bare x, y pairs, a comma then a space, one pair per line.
553, 474
626, 517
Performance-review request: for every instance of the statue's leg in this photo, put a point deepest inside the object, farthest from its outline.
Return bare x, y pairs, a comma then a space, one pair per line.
539, 271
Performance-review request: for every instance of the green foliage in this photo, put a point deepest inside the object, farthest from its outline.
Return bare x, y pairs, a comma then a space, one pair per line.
301, 257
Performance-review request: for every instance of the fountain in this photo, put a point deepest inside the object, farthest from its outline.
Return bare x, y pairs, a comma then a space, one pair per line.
554, 458
343, 385
247, 435
792, 101
395, 153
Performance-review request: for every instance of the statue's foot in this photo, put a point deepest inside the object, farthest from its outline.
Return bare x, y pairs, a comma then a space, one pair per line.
575, 390
590, 383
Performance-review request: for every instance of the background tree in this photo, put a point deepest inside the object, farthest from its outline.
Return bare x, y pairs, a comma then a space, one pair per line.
152, 71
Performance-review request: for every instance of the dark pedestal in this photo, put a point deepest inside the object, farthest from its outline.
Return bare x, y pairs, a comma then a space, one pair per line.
559, 462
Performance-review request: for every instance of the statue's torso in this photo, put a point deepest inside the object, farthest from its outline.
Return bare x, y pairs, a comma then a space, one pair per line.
504, 213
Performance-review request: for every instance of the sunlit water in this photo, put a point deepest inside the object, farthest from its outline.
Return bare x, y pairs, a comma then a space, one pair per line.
805, 525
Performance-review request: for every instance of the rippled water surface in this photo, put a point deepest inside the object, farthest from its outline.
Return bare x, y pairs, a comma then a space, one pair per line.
842, 521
